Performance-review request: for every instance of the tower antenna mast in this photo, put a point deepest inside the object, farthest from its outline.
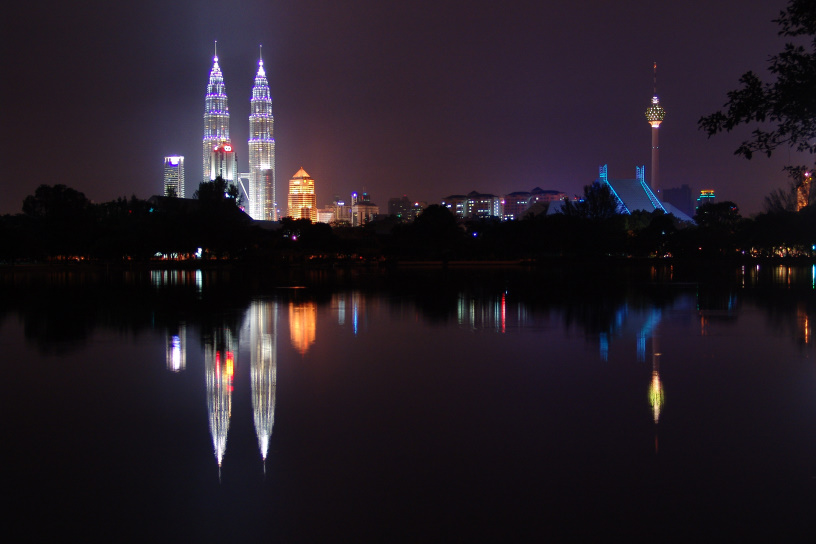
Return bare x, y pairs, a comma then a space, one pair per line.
654, 116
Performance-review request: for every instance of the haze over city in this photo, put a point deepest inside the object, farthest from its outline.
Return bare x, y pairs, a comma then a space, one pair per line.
419, 98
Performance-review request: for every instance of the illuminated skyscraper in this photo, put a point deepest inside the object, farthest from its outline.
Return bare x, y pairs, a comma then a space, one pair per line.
655, 115
216, 117
224, 163
174, 176
302, 199
262, 197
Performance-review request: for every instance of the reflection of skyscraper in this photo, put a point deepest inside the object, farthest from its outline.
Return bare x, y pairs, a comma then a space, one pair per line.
219, 368
216, 117
263, 329
261, 151
302, 325
177, 349
174, 176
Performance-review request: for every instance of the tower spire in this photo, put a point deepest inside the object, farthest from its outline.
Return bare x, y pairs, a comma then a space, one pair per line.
654, 92
655, 115
216, 119
216, 50
262, 195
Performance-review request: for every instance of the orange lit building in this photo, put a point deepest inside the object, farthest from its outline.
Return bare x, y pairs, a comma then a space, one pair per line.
302, 200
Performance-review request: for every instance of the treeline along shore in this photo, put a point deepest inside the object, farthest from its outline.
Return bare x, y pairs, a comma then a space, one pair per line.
59, 224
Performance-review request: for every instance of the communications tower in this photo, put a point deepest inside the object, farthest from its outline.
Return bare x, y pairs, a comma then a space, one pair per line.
655, 115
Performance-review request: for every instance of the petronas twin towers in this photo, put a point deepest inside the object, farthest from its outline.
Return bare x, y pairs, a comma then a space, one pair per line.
218, 153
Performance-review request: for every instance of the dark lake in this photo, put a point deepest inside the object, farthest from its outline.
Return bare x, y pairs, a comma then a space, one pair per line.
581, 403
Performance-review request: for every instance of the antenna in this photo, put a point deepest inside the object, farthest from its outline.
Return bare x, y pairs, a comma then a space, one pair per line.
216, 48
260, 52
655, 79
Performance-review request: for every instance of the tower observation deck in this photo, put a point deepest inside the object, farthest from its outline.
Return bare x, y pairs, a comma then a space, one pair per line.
655, 115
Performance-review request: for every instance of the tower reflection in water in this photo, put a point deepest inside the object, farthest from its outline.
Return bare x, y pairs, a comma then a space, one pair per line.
176, 348
219, 369
302, 325
263, 333
220, 364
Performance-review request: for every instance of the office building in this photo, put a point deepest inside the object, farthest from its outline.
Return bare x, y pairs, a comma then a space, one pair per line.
302, 200
224, 163
174, 176
262, 193
216, 119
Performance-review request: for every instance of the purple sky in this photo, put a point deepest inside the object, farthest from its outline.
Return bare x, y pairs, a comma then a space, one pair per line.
422, 98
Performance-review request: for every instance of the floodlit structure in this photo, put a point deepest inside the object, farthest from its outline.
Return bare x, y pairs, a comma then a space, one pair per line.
224, 163
655, 115
216, 117
302, 200
174, 176
262, 191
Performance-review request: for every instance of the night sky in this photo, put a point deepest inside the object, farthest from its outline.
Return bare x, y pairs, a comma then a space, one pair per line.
422, 98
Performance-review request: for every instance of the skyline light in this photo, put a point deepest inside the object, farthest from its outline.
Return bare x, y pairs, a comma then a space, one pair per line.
420, 98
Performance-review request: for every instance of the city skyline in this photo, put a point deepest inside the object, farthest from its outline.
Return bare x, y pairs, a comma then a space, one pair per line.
385, 98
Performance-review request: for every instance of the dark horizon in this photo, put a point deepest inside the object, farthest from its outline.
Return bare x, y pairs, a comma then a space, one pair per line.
415, 98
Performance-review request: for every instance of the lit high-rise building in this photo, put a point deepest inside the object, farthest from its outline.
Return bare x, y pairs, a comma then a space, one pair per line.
655, 115
216, 118
174, 176
224, 163
302, 200
262, 197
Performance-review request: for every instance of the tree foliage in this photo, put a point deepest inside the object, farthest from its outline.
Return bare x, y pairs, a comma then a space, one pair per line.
598, 203
784, 109
218, 191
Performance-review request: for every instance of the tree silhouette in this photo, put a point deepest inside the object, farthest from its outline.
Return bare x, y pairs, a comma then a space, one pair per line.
217, 191
784, 109
598, 203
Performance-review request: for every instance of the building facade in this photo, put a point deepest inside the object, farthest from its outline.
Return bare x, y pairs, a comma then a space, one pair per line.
707, 196
174, 176
224, 163
216, 118
262, 190
302, 200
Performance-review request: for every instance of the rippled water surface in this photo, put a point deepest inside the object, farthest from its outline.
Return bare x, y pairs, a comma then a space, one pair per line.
415, 405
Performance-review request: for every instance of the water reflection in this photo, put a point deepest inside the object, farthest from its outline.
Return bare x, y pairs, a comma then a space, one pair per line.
219, 368
176, 348
263, 336
496, 397
166, 278
302, 325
